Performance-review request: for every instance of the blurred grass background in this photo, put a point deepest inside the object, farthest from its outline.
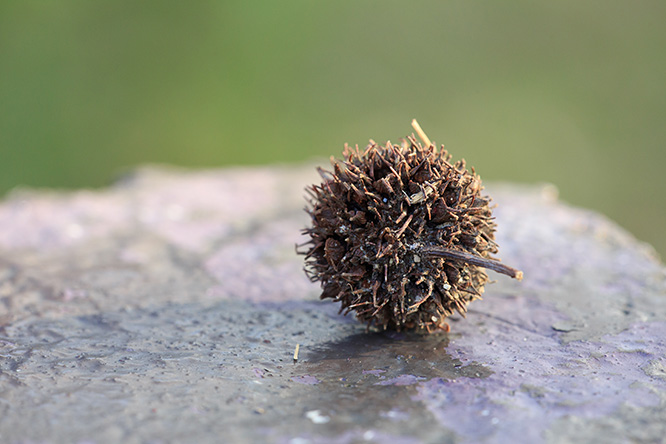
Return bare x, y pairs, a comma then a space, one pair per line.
568, 92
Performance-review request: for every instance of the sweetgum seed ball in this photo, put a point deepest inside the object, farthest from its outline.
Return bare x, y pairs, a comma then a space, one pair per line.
400, 235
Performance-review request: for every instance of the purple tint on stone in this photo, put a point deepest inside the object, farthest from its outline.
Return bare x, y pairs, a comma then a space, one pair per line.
306, 380
402, 380
376, 372
620, 370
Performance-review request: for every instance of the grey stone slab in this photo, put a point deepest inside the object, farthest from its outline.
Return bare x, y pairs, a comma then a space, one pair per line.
167, 308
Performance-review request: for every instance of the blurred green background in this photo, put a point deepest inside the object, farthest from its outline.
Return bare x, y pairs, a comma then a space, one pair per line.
568, 92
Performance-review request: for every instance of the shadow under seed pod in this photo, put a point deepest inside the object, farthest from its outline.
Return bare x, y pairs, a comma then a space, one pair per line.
400, 236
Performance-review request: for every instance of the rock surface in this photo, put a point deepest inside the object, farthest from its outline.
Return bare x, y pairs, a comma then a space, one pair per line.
167, 308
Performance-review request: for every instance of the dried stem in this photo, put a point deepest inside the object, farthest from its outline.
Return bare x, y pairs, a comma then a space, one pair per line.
456, 255
421, 133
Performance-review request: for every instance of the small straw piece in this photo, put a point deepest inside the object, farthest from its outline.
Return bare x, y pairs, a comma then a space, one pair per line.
421, 133
298, 346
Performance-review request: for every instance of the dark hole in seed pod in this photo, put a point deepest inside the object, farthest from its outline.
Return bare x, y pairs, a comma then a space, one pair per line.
480, 203
331, 290
325, 218
384, 186
333, 252
452, 196
439, 212
358, 217
336, 187
452, 274
354, 206
469, 239
356, 274
358, 197
422, 175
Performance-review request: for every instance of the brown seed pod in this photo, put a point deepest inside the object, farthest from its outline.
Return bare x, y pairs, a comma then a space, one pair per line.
400, 235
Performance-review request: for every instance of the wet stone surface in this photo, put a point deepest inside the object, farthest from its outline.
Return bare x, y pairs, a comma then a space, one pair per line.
167, 308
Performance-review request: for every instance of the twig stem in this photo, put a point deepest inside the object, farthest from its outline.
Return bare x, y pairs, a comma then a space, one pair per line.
472, 259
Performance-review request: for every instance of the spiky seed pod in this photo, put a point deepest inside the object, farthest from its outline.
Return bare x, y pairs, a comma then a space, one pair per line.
400, 235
